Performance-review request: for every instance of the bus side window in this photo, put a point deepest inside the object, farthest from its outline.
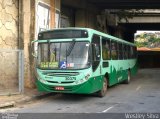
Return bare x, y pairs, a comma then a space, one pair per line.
135, 52
114, 54
132, 52
128, 51
120, 51
125, 52
96, 52
105, 49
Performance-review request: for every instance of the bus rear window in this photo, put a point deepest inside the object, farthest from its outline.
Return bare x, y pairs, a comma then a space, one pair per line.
63, 34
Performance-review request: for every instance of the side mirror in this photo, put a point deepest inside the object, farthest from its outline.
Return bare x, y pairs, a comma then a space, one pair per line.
98, 56
34, 54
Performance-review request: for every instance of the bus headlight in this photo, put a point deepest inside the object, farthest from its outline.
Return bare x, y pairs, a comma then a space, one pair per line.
83, 80
41, 80
80, 81
87, 76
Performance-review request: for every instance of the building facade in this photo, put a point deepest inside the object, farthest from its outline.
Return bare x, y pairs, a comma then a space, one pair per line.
20, 22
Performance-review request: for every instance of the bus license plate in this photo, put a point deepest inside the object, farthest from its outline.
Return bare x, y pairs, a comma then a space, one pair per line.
59, 88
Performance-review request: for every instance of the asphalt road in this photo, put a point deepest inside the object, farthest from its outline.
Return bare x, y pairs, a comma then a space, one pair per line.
142, 95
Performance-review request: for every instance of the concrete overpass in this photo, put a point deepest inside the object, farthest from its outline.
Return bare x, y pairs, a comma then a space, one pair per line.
117, 4
103, 15
126, 4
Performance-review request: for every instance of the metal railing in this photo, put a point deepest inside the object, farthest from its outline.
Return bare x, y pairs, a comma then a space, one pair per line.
11, 71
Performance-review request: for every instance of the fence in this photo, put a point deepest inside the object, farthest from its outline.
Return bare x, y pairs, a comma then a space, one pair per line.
11, 72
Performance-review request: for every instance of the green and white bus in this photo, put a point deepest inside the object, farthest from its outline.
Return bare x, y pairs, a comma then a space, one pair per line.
82, 61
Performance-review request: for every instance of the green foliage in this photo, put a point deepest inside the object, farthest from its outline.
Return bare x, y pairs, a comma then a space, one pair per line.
141, 44
149, 40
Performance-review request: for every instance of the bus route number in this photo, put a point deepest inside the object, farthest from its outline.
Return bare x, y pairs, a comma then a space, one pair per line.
70, 78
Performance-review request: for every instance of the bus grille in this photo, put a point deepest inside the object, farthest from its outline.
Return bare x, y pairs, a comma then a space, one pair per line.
63, 82
61, 74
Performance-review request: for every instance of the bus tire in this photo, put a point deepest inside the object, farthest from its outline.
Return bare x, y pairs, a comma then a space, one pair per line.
128, 78
103, 91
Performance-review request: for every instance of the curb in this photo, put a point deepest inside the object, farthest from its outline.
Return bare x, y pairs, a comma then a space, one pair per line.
24, 100
34, 97
7, 105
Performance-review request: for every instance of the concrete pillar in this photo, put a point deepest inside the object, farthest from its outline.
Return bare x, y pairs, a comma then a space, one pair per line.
80, 18
86, 18
28, 34
52, 23
29, 31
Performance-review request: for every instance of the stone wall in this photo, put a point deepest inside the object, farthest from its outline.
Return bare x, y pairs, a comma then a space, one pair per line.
8, 40
8, 24
8, 72
17, 30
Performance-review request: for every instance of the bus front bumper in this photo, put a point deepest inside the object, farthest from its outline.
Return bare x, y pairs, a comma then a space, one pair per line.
85, 88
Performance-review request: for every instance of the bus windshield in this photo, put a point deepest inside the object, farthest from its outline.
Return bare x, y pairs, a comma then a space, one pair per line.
64, 55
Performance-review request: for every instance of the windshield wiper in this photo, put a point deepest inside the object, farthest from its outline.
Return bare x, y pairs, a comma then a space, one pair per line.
71, 46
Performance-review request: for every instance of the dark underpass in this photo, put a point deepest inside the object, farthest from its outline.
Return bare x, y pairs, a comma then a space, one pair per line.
146, 59
149, 59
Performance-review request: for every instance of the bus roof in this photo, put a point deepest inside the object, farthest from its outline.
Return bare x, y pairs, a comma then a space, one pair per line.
91, 32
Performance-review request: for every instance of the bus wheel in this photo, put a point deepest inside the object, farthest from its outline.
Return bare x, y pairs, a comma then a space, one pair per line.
128, 78
103, 91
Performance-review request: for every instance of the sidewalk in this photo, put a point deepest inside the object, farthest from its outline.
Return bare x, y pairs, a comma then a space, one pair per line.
28, 95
